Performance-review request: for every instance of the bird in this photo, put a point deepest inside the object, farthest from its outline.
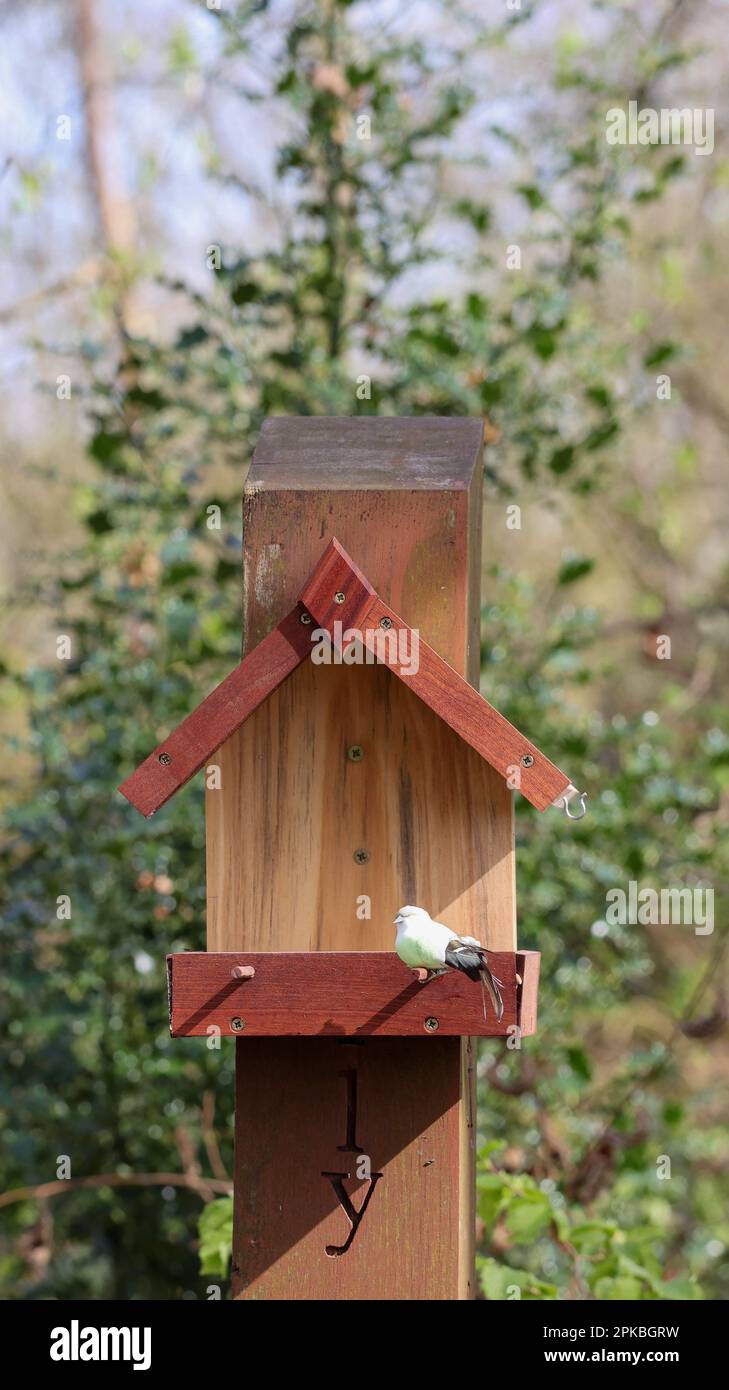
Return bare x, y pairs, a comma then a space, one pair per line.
422, 943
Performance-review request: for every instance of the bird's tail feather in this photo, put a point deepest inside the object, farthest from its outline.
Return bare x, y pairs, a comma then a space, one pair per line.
490, 983
470, 958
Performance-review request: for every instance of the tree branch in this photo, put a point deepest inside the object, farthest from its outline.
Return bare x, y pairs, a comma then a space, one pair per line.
54, 1189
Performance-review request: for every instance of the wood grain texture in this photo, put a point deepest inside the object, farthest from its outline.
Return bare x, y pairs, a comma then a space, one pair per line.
412, 542
293, 811
189, 746
348, 993
337, 590
527, 965
376, 453
404, 497
285, 879
293, 1100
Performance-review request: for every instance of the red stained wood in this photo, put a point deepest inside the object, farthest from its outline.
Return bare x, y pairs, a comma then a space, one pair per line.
190, 745
476, 721
306, 1112
435, 682
338, 591
340, 993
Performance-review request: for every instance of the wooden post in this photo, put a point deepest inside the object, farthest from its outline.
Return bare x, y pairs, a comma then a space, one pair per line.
341, 799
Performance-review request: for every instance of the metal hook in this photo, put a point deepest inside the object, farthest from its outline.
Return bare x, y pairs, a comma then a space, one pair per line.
568, 795
582, 811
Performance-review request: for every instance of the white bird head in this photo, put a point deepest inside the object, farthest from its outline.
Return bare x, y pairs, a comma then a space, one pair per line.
408, 914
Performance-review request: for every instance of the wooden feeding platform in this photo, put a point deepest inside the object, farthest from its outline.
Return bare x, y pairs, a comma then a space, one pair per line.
354, 994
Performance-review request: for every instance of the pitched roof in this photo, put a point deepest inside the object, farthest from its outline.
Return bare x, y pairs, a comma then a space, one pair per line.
356, 606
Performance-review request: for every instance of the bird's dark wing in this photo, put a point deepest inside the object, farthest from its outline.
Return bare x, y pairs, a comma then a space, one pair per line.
466, 958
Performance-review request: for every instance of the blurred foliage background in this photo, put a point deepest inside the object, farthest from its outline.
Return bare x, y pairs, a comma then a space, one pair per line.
201, 229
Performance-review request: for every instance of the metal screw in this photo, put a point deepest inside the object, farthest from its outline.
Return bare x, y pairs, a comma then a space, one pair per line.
305, 618
527, 760
165, 759
355, 753
386, 622
361, 856
339, 597
237, 1024
431, 1025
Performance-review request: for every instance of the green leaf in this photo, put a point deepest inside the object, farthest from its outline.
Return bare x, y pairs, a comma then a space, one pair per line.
599, 395
475, 306
662, 352
486, 1150
598, 438
151, 397
99, 522
215, 1231
191, 337
621, 1287
572, 569
532, 195
527, 1218
578, 1058
477, 214
504, 1283
592, 1236
543, 340
682, 1289
562, 459
105, 444
244, 292
490, 1193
